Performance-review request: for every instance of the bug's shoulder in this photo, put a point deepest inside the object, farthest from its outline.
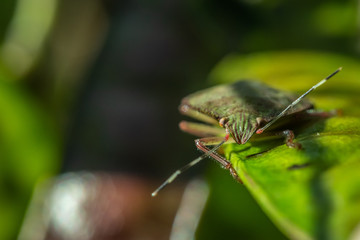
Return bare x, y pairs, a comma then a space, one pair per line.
244, 96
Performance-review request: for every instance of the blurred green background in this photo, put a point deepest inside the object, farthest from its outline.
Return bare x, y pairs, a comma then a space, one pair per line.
94, 85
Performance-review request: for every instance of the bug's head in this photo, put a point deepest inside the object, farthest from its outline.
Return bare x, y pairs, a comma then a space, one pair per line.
241, 127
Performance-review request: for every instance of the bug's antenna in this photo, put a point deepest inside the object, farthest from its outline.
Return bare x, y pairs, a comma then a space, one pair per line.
186, 167
260, 130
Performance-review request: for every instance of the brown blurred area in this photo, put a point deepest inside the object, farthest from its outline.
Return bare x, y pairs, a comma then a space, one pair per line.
99, 206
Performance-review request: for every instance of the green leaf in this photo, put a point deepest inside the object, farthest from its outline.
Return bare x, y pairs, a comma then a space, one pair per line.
313, 192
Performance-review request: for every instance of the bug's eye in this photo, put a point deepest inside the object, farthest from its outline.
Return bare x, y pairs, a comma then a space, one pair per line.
259, 121
222, 121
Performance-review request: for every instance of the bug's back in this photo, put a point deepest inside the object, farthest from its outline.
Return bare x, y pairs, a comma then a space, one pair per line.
252, 97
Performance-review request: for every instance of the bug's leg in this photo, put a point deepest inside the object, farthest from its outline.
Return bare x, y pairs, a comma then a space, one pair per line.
289, 139
190, 164
202, 144
323, 114
201, 130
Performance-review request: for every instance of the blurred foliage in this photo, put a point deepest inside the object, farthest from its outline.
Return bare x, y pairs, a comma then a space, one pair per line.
26, 35
304, 191
7, 8
82, 82
30, 146
29, 151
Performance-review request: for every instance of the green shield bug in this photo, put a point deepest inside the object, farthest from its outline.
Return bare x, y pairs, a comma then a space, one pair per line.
242, 108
